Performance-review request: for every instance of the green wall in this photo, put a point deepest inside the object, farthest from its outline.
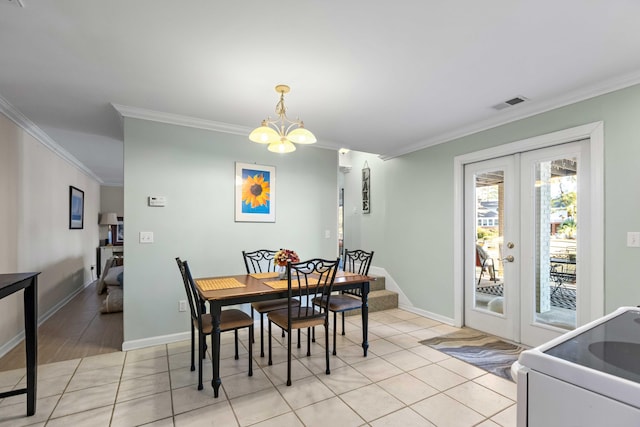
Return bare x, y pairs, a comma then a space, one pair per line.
417, 198
195, 170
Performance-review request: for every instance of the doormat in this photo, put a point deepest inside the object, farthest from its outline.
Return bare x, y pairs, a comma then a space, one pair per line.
478, 349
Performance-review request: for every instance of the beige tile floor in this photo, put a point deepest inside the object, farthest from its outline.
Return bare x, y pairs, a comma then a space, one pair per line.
400, 383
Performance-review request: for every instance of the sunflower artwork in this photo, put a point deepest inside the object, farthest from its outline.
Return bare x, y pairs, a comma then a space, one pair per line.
255, 193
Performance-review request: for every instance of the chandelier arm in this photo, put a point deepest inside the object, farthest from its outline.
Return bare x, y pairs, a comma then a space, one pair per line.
297, 124
274, 125
282, 122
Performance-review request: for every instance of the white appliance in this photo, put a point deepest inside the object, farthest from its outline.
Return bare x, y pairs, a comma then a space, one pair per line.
587, 377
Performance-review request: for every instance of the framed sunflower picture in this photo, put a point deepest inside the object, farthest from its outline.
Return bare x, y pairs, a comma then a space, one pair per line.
255, 193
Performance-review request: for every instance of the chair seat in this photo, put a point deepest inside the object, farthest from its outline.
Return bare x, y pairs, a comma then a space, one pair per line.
306, 317
339, 303
229, 320
272, 304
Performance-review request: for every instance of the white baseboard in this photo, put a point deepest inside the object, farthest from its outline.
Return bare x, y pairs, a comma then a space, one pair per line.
159, 340
430, 315
404, 302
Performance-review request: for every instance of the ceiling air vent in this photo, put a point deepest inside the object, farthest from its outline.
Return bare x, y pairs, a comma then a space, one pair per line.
509, 103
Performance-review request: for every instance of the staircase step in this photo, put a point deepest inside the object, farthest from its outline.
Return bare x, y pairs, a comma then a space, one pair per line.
378, 284
378, 300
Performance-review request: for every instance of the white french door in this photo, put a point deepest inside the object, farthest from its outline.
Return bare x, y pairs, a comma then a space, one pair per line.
523, 243
491, 222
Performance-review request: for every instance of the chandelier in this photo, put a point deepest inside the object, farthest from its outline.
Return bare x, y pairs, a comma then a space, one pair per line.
282, 132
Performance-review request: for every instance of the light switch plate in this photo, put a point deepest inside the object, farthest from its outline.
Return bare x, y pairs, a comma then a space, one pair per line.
146, 237
633, 239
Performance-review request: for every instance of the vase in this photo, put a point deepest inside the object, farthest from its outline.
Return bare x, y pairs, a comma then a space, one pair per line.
282, 273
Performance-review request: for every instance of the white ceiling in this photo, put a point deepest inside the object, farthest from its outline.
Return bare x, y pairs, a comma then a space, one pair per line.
377, 76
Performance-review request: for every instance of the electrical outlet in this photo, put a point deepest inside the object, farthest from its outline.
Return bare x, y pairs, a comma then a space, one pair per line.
182, 305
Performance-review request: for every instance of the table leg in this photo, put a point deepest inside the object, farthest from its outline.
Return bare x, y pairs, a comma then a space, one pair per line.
31, 342
216, 309
365, 316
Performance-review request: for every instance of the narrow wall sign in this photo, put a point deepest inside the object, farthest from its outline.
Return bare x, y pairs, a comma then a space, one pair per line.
366, 189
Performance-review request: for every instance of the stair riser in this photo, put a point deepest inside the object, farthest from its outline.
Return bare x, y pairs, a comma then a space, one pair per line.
378, 301
377, 285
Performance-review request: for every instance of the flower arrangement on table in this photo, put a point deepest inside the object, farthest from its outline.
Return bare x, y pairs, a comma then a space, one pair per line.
281, 257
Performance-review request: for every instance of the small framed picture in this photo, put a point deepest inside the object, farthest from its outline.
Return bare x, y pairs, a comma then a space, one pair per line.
76, 208
118, 232
255, 193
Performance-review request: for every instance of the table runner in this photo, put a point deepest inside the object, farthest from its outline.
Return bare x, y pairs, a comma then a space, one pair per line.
216, 284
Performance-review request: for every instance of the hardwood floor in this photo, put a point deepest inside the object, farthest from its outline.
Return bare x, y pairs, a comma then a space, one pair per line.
76, 330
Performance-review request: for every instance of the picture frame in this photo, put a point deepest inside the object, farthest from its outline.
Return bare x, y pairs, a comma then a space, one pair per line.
76, 208
117, 231
255, 193
366, 189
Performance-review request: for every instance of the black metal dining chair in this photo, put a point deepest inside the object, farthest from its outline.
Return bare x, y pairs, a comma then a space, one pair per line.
261, 261
230, 320
305, 280
358, 262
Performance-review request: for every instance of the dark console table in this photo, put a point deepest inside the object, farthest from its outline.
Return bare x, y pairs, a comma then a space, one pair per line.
10, 283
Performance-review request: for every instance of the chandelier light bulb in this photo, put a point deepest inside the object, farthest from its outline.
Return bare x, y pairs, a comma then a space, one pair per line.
283, 146
301, 136
264, 134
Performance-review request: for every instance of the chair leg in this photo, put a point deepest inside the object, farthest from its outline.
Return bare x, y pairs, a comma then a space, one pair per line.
480, 278
270, 361
252, 317
335, 328
298, 338
343, 323
308, 342
289, 354
262, 335
251, 351
235, 333
326, 342
200, 357
313, 334
193, 344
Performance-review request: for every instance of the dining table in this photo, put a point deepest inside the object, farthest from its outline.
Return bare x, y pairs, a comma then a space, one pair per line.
248, 288
27, 282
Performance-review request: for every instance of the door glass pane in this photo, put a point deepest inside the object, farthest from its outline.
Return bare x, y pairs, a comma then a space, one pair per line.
489, 207
556, 240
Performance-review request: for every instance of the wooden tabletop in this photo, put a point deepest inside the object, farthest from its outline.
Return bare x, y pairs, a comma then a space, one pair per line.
13, 282
257, 287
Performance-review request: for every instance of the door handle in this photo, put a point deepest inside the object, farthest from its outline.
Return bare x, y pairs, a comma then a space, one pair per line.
508, 258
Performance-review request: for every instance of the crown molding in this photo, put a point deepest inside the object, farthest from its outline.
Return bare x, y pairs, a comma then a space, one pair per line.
28, 126
523, 111
176, 119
